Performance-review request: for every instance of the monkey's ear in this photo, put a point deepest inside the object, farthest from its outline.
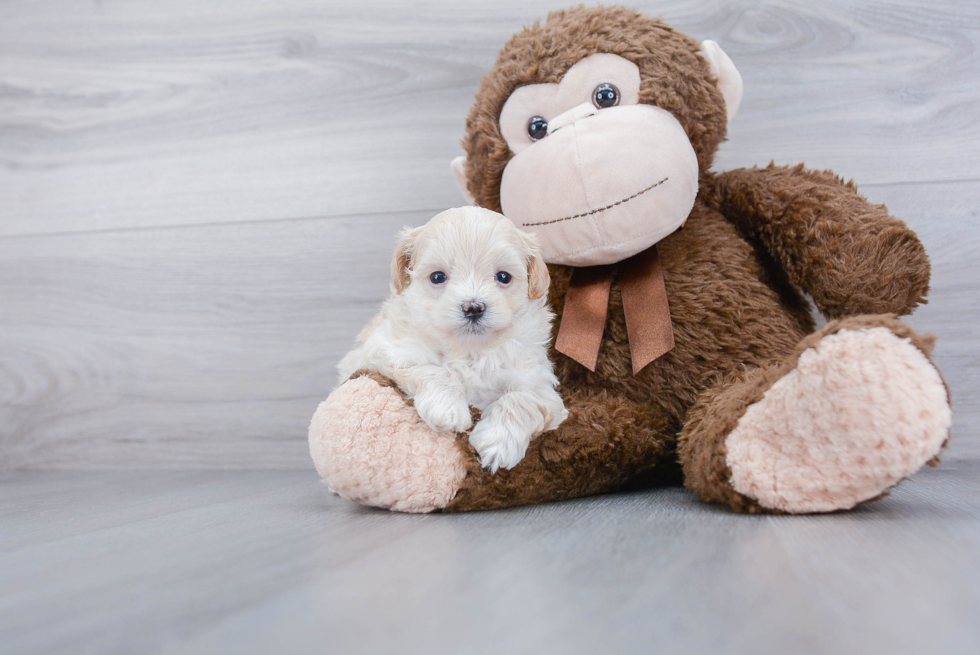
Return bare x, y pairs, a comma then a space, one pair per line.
402, 259
538, 278
459, 172
729, 79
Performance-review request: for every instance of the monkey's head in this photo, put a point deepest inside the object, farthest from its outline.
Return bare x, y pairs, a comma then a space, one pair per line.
593, 129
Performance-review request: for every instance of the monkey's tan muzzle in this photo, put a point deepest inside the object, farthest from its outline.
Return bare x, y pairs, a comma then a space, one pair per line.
604, 186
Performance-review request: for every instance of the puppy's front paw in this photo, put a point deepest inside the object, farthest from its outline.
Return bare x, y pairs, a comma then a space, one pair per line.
444, 412
498, 446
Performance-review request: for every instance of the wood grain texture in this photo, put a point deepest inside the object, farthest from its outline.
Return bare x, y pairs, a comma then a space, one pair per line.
195, 347
198, 200
211, 346
122, 114
269, 562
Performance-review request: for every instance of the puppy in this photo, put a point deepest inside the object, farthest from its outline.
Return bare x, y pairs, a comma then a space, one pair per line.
467, 324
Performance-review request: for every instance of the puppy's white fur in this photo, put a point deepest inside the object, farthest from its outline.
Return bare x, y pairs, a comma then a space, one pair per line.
423, 340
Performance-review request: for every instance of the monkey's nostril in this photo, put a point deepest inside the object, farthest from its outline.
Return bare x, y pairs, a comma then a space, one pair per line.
473, 309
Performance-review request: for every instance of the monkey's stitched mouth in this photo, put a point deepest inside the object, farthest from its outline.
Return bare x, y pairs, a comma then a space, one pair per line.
601, 209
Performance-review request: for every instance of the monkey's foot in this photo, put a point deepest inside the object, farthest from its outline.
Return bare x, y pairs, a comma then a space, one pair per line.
862, 409
369, 445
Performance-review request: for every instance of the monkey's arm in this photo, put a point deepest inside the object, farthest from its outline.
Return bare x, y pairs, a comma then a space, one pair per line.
851, 256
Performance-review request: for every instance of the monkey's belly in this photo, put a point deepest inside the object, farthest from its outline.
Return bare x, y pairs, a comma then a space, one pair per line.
730, 308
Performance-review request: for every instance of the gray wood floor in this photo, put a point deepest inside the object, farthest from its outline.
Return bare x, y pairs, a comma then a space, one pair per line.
269, 562
198, 201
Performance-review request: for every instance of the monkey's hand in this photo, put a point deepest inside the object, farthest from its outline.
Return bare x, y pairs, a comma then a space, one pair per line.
852, 257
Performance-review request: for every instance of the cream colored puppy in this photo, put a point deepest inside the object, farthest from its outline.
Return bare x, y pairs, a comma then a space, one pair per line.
468, 324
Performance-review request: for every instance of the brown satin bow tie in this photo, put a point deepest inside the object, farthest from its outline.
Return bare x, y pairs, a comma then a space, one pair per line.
583, 319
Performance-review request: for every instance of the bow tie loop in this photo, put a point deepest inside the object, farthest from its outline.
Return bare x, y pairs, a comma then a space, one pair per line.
645, 306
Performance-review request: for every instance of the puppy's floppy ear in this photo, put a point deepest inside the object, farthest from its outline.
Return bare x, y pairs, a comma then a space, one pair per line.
402, 260
538, 278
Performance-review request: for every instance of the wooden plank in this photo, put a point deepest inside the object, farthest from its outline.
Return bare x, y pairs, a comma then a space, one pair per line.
280, 521
260, 562
210, 346
117, 114
38, 508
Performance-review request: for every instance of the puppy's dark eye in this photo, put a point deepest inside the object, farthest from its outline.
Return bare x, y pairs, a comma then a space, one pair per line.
537, 128
503, 277
438, 277
605, 96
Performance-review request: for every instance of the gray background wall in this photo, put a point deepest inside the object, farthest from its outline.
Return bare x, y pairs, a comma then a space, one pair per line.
198, 200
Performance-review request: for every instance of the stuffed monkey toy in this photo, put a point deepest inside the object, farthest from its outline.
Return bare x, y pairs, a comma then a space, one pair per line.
683, 341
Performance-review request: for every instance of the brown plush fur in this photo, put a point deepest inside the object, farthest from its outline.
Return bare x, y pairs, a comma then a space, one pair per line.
755, 238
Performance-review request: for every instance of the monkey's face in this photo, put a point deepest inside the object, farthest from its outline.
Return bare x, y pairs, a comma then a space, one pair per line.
596, 175
598, 154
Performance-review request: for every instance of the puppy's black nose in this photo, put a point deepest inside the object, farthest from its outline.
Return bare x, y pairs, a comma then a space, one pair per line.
473, 309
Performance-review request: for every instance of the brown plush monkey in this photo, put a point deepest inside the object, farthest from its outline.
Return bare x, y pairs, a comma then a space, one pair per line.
684, 354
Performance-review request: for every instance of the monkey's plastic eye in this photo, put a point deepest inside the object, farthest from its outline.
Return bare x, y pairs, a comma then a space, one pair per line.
537, 128
605, 96
503, 277
438, 277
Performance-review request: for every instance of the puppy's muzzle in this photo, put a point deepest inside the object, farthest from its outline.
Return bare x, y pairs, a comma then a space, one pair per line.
473, 310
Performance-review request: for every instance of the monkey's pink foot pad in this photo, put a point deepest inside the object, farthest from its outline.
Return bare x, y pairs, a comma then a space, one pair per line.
862, 410
369, 445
